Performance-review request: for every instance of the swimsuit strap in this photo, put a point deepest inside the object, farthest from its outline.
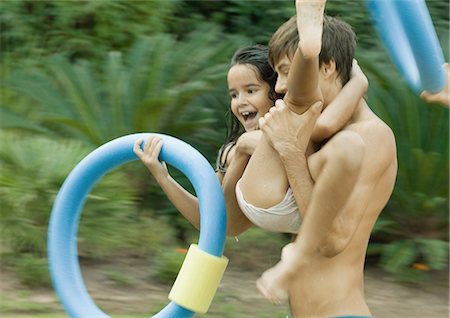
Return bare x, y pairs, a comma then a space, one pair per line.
221, 165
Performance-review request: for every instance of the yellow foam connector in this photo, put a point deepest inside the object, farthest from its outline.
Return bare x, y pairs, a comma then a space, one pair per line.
198, 280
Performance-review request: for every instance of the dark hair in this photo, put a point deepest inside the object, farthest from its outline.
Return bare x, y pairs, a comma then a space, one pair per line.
255, 56
338, 44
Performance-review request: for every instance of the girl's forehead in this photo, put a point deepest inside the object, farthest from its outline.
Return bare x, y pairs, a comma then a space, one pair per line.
244, 68
243, 72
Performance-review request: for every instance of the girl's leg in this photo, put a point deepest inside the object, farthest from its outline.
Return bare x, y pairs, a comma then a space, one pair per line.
310, 26
264, 181
303, 81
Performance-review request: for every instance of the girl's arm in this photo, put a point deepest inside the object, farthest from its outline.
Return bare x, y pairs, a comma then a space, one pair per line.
187, 203
237, 222
338, 112
182, 199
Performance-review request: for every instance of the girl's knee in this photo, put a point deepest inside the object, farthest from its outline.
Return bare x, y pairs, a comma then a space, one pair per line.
264, 193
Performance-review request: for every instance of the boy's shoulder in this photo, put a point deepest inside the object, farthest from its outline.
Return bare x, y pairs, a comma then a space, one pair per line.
371, 124
375, 133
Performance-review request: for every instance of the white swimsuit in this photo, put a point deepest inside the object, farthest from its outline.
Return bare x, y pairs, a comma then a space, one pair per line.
283, 217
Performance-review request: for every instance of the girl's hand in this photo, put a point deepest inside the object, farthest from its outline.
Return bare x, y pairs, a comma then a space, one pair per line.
357, 73
149, 156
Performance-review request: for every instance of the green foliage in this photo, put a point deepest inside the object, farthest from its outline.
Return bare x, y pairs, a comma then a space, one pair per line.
77, 29
152, 89
417, 213
30, 179
9, 303
32, 271
355, 13
439, 12
253, 20
399, 256
107, 231
167, 264
118, 277
32, 170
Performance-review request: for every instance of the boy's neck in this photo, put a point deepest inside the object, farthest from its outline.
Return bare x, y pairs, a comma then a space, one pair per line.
330, 93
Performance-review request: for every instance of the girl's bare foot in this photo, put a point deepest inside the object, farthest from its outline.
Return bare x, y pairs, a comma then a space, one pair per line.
310, 26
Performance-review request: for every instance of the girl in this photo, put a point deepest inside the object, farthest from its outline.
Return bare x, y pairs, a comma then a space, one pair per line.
251, 85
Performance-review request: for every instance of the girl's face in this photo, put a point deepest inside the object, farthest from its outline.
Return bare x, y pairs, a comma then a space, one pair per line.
249, 95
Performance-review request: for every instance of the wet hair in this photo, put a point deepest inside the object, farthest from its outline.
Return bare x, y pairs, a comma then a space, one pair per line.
338, 44
256, 57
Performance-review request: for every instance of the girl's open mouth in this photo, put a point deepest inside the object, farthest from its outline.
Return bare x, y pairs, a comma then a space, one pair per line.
248, 115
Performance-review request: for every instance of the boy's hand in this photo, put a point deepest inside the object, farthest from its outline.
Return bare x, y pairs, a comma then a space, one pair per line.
442, 97
275, 282
284, 129
149, 156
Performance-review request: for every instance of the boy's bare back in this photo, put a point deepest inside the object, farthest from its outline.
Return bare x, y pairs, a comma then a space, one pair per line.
334, 285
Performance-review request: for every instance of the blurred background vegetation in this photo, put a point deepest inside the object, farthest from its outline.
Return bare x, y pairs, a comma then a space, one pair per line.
76, 74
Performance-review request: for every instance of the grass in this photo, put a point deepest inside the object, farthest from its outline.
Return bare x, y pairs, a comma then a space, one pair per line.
22, 304
62, 315
226, 304
236, 298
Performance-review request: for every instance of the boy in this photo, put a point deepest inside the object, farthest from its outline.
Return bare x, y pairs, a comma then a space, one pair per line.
341, 184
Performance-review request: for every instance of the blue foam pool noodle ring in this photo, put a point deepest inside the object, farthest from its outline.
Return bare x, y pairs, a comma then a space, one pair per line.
407, 32
426, 47
64, 219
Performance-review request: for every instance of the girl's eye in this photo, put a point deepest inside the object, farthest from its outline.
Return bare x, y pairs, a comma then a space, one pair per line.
251, 91
233, 95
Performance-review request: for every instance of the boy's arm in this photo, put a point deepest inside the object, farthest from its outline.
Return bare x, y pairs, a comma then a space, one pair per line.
339, 111
299, 178
290, 138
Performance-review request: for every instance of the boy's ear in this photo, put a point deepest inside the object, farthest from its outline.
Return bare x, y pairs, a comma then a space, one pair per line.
328, 69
